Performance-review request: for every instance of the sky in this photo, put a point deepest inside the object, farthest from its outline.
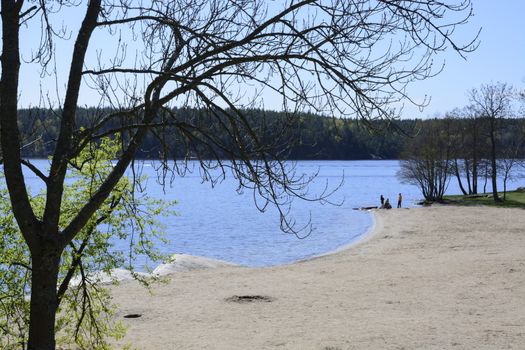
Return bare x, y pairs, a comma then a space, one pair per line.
499, 57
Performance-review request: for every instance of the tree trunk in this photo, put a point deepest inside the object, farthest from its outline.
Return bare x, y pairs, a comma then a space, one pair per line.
505, 187
44, 302
458, 175
486, 179
467, 174
494, 172
475, 173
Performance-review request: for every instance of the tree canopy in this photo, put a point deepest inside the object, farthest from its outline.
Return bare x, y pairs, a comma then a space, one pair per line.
351, 57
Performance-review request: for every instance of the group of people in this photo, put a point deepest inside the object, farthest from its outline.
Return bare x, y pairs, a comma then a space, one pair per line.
385, 204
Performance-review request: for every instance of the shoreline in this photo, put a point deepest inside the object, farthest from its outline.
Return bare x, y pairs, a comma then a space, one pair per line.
425, 278
361, 239
181, 262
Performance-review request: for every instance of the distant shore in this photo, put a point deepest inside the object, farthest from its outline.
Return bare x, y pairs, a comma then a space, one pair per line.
443, 277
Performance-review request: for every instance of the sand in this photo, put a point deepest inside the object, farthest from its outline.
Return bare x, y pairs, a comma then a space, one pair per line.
443, 277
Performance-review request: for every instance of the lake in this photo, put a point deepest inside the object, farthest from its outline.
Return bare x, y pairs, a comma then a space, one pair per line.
222, 224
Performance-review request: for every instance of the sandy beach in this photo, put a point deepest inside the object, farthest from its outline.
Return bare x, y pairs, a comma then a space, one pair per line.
443, 277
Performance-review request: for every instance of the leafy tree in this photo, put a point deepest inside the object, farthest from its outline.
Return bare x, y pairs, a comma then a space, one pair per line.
352, 57
85, 309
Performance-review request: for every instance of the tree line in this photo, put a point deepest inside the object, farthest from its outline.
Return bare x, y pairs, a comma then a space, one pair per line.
315, 137
308, 136
475, 146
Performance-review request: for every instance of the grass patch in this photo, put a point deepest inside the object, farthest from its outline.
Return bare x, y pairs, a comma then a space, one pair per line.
513, 199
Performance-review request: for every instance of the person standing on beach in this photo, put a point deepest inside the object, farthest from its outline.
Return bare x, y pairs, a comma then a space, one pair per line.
382, 201
399, 200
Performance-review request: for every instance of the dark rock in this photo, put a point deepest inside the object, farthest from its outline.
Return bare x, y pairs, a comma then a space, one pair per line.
243, 299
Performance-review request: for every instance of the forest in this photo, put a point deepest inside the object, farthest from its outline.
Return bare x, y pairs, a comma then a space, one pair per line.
309, 136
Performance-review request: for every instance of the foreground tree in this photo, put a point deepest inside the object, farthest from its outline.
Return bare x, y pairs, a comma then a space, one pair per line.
86, 311
350, 57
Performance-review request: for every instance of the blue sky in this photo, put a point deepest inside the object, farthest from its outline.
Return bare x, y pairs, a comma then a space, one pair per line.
500, 57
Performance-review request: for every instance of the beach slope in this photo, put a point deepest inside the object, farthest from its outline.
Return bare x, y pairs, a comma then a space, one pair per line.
442, 277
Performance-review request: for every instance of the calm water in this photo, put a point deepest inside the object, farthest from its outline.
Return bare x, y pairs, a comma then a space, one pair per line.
222, 224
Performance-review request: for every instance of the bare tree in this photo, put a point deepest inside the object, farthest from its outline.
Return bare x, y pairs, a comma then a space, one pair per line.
427, 159
349, 57
460, 162
468, 150
506, 166
511, 157
492, 103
